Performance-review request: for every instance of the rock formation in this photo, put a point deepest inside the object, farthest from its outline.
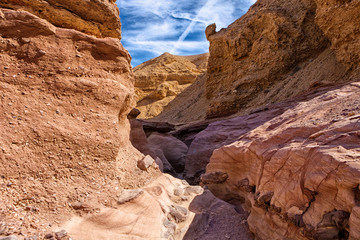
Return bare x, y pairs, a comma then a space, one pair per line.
187, 107
216, 219
279, 49
159, 80
338, 21
96, 17
286, 166
64, 135
298, 172
157, 211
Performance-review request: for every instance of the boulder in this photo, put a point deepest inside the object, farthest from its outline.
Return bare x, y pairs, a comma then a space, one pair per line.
297, 173
145, 163
171, 148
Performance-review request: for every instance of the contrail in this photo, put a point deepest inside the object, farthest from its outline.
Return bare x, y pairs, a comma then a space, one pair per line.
191, 25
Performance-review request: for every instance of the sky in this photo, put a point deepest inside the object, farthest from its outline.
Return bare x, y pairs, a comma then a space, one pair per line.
153, 27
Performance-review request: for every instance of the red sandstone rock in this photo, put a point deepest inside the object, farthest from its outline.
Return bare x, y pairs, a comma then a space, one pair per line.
64, 135
298, 172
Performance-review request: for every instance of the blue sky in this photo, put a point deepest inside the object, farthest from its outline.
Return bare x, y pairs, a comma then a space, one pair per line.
152, 27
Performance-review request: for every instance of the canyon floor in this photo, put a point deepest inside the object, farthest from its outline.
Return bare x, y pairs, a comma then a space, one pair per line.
257, 139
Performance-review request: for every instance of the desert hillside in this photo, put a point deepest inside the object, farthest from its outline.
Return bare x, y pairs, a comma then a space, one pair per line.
159, 80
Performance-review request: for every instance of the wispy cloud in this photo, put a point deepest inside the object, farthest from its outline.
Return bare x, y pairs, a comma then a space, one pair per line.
157, 26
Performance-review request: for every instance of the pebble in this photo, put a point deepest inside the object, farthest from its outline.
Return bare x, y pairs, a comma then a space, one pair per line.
145, 163
31, 238
41, 52
60, 234
9, 238
178, 213
178, 191
49, 236
128, 195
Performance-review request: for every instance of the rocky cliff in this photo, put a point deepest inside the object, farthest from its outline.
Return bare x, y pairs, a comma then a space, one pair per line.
295, 167
160, 80
278, 50
64, 135
97, 17
293, 164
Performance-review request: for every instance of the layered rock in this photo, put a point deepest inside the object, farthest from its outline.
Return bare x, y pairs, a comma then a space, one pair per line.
64, 136
279, 49
187, 107
297, 172
156, 211
220, 133
97, 17
158, 81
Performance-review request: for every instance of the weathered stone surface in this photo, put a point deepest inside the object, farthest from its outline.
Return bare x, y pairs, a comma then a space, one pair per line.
169, 147
138, 138
9, 238
97, 17
144, 216
64, 135
159, 80
298, 173
145, 163
221, 133
276, 51
129, 194
339, 21
216, 219
187, 107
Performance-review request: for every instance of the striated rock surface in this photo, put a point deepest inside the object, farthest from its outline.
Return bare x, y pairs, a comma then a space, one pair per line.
220, 133
64, 136
159, 80
278, 50
298, 173
153, 212
96, 17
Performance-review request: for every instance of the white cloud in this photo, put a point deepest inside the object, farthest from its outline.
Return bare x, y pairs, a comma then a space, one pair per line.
175, 26
159, 47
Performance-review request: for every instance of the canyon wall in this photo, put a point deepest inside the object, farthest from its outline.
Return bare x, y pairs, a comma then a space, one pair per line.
159, 80
291, 69
64, 99
278, 50
298, 172
97, 17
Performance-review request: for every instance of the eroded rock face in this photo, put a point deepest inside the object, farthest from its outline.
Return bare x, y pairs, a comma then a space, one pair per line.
97, 17
64, 136
160, 80
216, 219
299, 172
169, 149
153, 212
189, 106
277, 51
339, 21
220, 133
